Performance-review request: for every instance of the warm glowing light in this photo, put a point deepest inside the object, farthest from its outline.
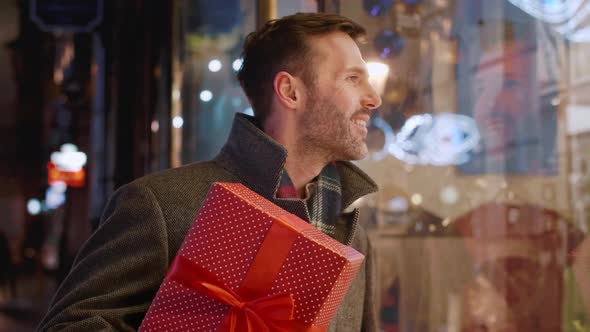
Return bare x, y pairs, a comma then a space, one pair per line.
397, 204
206, 95
449, 195
417, 199
176, 94
69, 158
177, 122
55, 195
446, 222
34, 206
155, 126
237, 64
378, 73
215, 65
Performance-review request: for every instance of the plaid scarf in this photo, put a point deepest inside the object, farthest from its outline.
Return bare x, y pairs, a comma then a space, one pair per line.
323, 199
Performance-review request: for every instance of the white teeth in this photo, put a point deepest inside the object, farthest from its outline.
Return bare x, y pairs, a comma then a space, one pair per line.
360, 122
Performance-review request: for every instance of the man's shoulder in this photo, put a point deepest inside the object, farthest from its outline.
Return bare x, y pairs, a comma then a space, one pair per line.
190, 172
195, 178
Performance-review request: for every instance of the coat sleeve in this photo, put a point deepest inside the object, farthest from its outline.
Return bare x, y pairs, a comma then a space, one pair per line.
370, 321
119, 269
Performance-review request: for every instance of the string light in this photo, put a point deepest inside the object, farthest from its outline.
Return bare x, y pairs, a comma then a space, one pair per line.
177, 122
206, 95
215, 65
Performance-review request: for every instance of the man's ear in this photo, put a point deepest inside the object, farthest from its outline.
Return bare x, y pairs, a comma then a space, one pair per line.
287, 89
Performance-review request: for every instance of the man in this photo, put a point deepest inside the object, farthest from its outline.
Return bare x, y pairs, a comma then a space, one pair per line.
516, 124
308, 86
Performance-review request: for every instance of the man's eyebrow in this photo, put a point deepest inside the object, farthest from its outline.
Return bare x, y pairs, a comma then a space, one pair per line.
358, 70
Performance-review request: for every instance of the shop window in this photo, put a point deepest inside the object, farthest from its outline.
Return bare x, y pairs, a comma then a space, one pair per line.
206, 94
479, 149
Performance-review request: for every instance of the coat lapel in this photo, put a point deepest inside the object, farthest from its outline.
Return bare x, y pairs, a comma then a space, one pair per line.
258, 160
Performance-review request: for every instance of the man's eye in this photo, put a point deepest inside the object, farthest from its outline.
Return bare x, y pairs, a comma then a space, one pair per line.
353, 79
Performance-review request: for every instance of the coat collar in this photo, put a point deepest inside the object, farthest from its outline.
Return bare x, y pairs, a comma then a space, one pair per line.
258, 160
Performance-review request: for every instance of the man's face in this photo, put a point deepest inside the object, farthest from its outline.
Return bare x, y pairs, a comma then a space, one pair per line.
338, 104
503, 96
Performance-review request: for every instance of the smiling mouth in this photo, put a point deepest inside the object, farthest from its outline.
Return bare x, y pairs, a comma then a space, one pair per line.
361, 123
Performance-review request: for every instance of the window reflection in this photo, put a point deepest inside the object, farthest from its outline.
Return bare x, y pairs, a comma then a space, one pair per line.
210, 48
497, 240
517, 125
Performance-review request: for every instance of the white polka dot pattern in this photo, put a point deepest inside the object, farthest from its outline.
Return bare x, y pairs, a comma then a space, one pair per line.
224, 239
351, 262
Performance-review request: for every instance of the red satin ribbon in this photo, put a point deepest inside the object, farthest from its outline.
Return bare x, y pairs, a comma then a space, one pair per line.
251, 309
266, 314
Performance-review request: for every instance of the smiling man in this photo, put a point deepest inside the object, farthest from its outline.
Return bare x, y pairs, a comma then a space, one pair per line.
308, 85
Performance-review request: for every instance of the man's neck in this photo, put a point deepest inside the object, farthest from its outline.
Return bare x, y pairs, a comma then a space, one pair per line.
302, 164
302, 172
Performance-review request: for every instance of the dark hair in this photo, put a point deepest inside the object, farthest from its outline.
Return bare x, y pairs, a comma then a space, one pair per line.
281, 45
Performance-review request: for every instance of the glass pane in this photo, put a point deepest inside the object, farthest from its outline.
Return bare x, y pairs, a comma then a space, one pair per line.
480, 150
211, 33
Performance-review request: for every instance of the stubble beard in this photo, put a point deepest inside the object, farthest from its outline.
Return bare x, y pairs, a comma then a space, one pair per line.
327, 132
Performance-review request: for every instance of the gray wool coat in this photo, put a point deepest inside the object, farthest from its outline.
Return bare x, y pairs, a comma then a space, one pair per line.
119, 270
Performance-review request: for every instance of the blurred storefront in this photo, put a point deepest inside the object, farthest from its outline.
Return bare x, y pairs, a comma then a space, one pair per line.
82, 83
481, 221
480, 149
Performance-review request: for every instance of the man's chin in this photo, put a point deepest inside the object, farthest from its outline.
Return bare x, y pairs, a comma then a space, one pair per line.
359, 154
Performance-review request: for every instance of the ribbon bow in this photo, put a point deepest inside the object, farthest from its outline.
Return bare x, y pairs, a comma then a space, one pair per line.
265, 314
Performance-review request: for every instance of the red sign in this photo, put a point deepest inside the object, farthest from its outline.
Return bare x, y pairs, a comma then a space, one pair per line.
75, 179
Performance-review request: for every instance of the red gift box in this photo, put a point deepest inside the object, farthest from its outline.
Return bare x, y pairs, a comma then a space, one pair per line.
248, 265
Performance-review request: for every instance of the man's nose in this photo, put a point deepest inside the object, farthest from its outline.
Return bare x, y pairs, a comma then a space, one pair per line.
371, 99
